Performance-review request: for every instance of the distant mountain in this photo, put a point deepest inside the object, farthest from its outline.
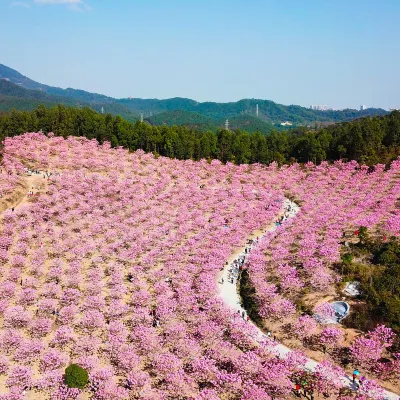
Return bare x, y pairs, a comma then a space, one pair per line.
187, 118
80, 95
268, 111
17, 97
30, 94
8, 88
200, 122
249, 123
179, 111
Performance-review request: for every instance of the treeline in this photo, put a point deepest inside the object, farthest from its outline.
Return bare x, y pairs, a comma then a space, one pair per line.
367, 140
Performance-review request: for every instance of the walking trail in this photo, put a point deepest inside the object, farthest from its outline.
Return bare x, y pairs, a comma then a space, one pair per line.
21, 196
231, 297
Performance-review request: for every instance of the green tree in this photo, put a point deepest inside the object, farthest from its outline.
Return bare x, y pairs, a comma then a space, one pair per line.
341, 150
225, 141
241, 148
76, 376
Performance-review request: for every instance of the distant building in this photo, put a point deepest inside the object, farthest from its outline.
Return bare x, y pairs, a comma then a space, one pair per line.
363, 107
286, 123
319, 107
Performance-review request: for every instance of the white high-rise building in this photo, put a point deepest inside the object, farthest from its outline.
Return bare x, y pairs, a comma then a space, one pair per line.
363, 107
319, 107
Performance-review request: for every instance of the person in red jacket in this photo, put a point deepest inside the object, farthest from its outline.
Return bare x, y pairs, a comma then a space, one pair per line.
297, 390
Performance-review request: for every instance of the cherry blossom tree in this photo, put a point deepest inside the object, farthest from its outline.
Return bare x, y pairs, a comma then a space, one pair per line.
114, 265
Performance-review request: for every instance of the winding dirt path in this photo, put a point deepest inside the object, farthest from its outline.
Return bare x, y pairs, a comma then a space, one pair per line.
230, 295
22, 195
34, 181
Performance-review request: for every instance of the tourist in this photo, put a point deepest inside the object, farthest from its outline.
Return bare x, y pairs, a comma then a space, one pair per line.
297, 389
304, 384
355, 373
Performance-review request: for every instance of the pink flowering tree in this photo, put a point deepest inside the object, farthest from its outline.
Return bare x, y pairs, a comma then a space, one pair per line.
331, 337
368, 349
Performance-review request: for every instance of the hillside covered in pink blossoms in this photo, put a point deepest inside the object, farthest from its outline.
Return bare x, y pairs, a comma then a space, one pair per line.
115, 265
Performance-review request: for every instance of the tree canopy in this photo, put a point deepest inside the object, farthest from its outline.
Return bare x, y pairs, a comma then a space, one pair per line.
367, 140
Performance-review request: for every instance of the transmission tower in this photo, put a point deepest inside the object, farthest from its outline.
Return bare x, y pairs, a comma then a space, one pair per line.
141, 117
257, 110
227, 125
102, 110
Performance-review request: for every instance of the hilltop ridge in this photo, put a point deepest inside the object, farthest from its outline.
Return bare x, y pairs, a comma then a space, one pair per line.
23, 93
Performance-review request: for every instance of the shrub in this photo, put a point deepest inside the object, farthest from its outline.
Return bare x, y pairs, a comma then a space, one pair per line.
347, 259
363, 235
76, 376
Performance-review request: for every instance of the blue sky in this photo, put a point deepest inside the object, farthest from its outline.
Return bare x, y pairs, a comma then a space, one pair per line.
342, 53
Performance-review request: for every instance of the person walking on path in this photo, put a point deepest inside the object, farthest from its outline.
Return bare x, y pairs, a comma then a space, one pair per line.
304, 384
356, 372
297, 390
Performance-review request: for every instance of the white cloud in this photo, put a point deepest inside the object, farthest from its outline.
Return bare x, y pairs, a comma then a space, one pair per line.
20, 4
58, 1
75, 5
80, 7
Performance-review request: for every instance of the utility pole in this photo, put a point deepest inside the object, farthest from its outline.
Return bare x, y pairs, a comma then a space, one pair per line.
141, 117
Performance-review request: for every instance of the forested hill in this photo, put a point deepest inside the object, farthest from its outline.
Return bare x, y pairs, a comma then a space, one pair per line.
181, 111
269, 111
200, 122
15, 95
367, 140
